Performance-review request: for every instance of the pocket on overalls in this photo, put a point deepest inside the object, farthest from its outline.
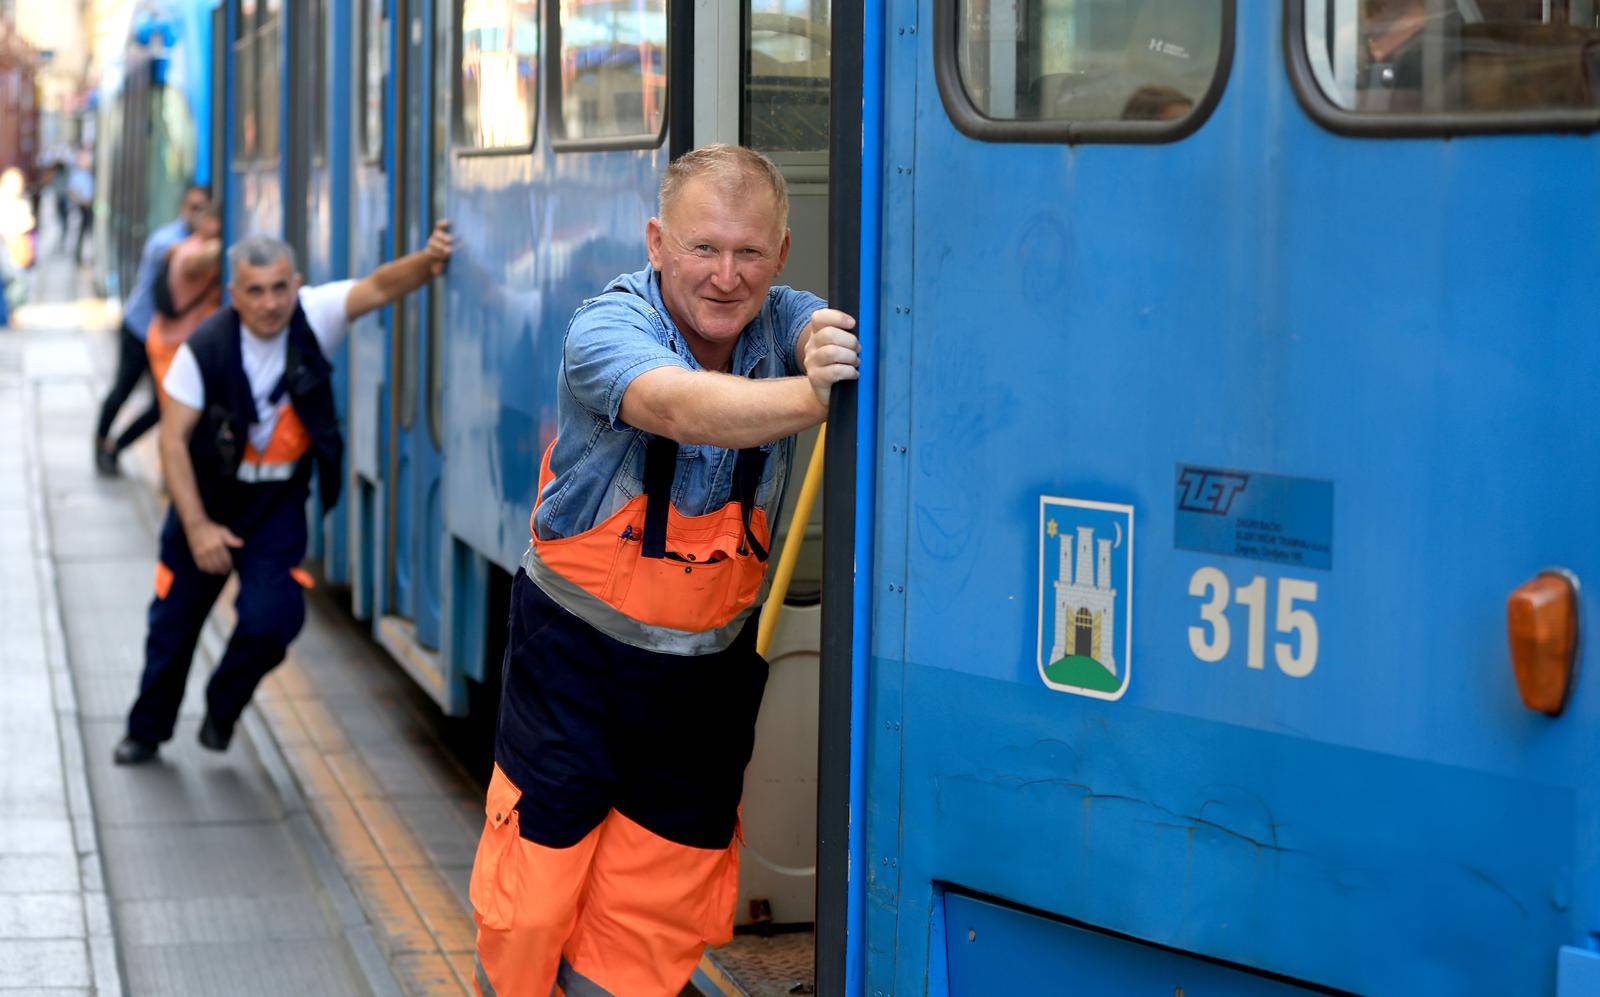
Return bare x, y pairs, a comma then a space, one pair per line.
721, 896
493, 898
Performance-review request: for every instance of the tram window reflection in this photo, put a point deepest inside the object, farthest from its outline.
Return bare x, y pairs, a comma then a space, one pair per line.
269, 56
318, 20
1088, 60
244, 83
374, 45
787, 70
499, 73
1452, 56
613, 68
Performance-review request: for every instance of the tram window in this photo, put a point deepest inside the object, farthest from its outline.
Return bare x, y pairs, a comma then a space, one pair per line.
319, 80
269, 55
1145, 65
1454, 57
374, 44
787, 75
613, 70
497, 83
244, 83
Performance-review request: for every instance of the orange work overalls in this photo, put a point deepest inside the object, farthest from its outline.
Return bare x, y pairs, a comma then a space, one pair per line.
608, 859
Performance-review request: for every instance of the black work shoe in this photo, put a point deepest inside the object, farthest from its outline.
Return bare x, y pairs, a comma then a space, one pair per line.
214, 736
105, 461
132, 751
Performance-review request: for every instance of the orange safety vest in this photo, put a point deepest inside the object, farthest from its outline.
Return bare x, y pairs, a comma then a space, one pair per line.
662, 568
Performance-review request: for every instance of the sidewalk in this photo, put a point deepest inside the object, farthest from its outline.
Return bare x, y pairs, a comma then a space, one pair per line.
190, 875
55, 923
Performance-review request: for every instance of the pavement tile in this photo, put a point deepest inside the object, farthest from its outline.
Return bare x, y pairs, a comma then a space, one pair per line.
436, 903
353, 775
244, 969
31, 784
56, 873
447, 837
158, 861
462, 963
186, 784
36, 836
398, 845
44, 962
41, 915
221, 919
400, 929
459, 879
320, 724
414, 771
426, 975
346, 833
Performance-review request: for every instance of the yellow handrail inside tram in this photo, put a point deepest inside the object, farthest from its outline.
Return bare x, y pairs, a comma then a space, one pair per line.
791, 547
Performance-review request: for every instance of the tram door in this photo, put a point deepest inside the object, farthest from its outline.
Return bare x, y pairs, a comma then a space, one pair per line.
763, 81
414, 514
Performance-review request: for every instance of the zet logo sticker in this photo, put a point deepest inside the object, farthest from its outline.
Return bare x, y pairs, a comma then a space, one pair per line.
1085, 596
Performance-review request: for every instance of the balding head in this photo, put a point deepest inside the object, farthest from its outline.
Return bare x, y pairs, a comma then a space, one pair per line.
733, 172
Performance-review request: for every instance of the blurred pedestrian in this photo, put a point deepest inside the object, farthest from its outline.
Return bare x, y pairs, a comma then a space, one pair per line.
58, 189
137, 313
193, 290
248, 414
16, 241
80, 188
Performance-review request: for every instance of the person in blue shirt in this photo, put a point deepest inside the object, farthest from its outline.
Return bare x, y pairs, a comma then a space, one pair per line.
609, 857
137, 312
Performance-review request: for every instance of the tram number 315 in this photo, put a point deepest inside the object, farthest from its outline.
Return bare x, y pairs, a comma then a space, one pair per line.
1212, 639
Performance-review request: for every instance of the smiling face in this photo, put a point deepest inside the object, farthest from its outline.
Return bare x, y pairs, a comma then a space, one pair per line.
265, 295
718, 256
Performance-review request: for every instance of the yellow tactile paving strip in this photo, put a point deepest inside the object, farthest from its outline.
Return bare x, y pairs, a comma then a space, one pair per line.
420, 924
419, 921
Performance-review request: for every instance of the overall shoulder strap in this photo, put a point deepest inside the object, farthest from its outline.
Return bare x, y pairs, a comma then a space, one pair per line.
747, 469
660, 463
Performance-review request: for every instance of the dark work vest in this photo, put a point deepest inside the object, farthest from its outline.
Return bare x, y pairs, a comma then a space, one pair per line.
218, 444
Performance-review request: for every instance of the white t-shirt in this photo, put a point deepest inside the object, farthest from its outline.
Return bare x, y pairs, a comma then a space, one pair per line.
264, 359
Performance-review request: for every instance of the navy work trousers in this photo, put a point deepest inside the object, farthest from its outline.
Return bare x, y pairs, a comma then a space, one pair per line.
270, 608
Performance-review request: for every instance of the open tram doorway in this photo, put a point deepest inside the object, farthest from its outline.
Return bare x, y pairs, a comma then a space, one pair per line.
410, 624
762, 77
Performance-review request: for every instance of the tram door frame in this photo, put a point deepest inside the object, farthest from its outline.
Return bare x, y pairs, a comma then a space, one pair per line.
414, 516
816, 181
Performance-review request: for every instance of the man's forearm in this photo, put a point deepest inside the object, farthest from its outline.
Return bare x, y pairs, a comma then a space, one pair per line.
701, 407
181, 485
398, 278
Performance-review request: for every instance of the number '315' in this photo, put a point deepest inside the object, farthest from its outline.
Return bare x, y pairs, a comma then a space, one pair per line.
1211, 640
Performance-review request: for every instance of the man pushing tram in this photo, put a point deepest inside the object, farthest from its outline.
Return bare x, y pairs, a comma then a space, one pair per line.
608, 859
247, 411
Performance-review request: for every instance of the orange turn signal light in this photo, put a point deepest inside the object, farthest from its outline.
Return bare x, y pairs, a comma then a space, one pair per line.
1542, 621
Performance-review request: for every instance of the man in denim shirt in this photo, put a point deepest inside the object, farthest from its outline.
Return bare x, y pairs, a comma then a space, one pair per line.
631, 682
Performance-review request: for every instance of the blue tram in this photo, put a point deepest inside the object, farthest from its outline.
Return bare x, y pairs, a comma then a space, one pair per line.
1226, 375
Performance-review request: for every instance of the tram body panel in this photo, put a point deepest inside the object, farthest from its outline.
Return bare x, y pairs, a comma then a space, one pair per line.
1380, 326
541, 233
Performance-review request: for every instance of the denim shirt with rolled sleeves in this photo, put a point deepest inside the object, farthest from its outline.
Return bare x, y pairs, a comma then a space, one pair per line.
597, 466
